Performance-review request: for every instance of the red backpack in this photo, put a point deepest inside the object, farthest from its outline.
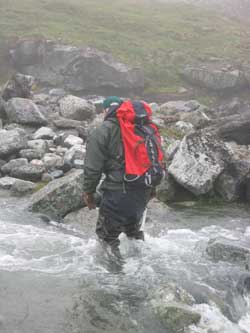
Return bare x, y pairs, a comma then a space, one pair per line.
141, 144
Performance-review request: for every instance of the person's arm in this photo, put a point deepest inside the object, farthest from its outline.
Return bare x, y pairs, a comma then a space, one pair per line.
96, 155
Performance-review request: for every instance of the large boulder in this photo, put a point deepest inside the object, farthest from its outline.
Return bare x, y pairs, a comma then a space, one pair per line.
12, 141
76, 108
60, 197
215, 79
201, 158
235, 128
24, 111
232, 181
72, 68
18, 86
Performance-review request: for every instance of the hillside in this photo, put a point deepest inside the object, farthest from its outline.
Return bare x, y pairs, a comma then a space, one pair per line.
160, 37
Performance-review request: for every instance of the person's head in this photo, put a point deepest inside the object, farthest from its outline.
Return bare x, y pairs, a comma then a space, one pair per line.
111, 101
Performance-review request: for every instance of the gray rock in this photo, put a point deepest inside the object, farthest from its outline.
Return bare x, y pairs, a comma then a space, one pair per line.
18, 86
236, 129
52, 161
176, 107
6, 182
6, 169
231, 182
24, 111
56, 174
76, 152
44, 133
46, 178
198, 162
184, 127
72, 140
31, 154
60, 197
28, 172
40, 145
76, 108
57, 92
169, 191
223, 249
22, 187
60, 122
197, 118
172, 305
72, 68
12, 141
215, 79
2, 108
78, 164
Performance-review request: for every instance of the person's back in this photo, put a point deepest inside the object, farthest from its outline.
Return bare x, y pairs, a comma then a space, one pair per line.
123, 203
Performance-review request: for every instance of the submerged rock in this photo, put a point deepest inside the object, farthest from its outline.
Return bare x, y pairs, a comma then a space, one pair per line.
228, 250
172, 304
60, 196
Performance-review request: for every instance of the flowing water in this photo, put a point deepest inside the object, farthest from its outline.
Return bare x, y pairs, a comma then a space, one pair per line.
52, 281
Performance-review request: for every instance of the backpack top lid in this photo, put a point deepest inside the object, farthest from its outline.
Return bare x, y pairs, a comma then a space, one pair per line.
134, 112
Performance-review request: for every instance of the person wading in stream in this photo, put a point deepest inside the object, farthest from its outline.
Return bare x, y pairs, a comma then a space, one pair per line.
126, 149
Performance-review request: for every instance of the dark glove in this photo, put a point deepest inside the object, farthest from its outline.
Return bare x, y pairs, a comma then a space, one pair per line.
89, 200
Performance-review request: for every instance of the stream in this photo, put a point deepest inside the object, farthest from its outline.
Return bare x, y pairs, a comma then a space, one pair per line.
52, 281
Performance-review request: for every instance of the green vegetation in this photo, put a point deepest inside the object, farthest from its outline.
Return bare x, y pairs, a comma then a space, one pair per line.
159, 38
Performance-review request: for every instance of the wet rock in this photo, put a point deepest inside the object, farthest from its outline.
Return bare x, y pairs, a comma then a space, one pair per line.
172, 305
169, 191
12, 141
198, 162
228, 250
243, 285
7, 168
60, 196
24, 111
22, 187
215, 79
28, 172
231, 182
72, 68
76, 108
44, 133
72, 140
18, 86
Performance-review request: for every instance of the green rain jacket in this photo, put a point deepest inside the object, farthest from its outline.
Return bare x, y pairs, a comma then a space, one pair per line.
104, 155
